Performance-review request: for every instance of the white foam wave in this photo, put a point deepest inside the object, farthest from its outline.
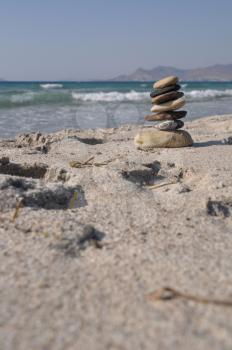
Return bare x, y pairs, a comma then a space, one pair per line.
113, 96
21, 98
51, 86
208, 94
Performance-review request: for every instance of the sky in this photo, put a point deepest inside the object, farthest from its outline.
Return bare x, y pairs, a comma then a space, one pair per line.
100, 39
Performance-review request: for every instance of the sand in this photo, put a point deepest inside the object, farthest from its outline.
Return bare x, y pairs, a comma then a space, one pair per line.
83, 246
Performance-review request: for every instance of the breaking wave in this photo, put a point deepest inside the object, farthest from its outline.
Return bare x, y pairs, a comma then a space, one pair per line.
208, 94
47, 96
51, 86
32, 98
21, 98
113, 96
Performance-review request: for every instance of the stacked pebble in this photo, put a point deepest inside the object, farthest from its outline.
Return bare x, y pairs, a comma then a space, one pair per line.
166, 99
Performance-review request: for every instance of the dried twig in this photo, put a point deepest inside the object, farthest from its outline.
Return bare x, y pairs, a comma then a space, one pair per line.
73, 200
77, 164
105, 162
168, 293
153, 187
19, 205
88, 160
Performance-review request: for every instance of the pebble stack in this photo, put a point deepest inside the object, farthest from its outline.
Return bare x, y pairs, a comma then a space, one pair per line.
166, 99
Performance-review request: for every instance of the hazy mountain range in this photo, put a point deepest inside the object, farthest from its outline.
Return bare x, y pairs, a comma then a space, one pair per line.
217, 72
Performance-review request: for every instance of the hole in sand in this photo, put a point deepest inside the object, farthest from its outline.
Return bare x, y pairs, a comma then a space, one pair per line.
155, 166
140, 177
16, 183
72, 246
35, 194
90, 141
35, 171
58, 198
219, 208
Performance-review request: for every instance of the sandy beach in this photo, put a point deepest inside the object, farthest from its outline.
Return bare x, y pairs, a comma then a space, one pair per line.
90, 227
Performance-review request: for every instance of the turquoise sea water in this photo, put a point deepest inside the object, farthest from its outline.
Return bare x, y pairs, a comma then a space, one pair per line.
51, 106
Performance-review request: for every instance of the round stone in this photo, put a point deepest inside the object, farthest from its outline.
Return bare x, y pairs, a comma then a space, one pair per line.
172, 115
158, 92
149, 139
170, 96
170, 125
169, 106
171, 80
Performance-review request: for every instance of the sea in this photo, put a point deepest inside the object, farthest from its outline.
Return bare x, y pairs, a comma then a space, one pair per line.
51, 106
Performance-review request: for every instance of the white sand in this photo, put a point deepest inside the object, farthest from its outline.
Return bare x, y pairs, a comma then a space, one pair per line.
58, 292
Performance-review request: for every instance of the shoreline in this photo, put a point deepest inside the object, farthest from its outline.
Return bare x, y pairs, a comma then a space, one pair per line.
146, 124
90, 227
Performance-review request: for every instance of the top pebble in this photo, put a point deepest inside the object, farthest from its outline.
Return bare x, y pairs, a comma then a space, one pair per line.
172, 80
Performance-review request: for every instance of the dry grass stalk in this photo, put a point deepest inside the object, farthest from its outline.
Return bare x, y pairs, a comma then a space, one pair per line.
88, 163
19, 205
168, 293
73, 200
154, 187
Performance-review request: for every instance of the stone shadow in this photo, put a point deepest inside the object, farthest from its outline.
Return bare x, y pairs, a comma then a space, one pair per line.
208, 143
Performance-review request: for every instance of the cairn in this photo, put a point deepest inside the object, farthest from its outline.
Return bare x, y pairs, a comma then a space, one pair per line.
166, 100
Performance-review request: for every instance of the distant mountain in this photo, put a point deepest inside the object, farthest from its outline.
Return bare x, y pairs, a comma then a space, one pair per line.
217, 72
2, 79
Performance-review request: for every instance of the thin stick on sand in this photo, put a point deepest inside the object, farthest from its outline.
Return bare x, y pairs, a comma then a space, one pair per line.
19, 205
168, 293
154, 187
78, 164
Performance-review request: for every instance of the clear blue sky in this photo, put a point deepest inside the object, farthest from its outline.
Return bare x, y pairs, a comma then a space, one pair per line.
72, 39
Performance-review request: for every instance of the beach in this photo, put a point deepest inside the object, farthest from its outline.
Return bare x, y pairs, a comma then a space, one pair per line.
91, 227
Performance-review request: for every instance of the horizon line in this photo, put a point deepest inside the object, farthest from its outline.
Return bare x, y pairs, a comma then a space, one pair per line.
122, 74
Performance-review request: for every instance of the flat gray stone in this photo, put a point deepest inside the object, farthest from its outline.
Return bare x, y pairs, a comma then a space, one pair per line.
170, 125
171, 115
162, 139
